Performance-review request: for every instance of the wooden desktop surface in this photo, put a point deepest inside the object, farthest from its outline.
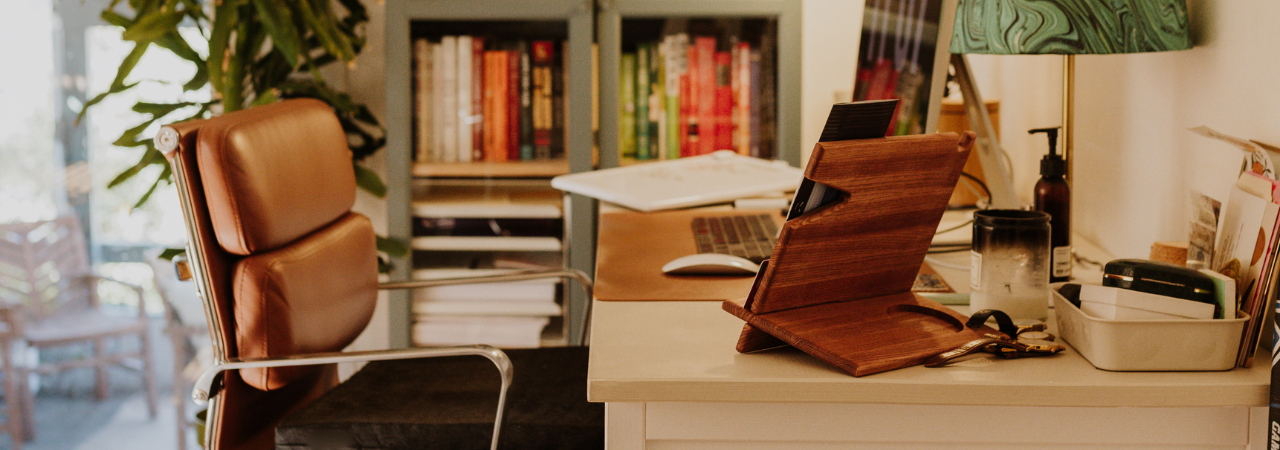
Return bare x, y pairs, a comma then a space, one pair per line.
683, 351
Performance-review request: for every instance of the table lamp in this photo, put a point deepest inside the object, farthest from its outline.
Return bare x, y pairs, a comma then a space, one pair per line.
1069, 27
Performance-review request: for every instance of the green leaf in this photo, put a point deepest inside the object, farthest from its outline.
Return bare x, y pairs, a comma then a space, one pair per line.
159, 110
100, 97
148, 158
370, 181
130, 137
392, 247
172, 41
113, 18
356, 10
169, 253
316, 13
225, 16
150, 27
266, 98
164, 176
277, 17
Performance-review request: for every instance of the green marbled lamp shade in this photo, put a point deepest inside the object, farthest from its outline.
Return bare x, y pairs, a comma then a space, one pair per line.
1020, 27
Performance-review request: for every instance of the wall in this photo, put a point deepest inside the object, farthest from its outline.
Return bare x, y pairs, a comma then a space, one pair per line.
1136, 163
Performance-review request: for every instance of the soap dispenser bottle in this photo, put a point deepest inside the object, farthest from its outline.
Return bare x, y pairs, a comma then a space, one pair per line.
1053, 196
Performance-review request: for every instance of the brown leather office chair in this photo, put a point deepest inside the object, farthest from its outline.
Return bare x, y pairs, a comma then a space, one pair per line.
289, 278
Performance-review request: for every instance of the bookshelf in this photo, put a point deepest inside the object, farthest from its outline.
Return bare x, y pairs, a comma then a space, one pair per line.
630, 30
472, 209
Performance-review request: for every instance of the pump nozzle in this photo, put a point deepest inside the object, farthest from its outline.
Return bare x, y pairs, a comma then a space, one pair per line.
1052, 165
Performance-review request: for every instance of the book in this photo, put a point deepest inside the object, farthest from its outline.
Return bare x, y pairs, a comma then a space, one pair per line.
496, 91
513, 105
768, 90
689, 103
487, 243
449, 100
437, 102
477, 98
654, 100
676, 70
542, 61
723, 112
627, 105
657, 107
526, 103
641, 102
558, 69
753, 114
531, 292
422, 99
706, 94
501, 331
742, 100
464, 102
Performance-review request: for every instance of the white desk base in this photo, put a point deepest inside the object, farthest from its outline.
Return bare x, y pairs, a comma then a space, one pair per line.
813, 426
670, 379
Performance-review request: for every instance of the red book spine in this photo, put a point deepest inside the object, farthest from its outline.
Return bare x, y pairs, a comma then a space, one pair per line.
686, 148
477, 99
742, 99
500, 103
490, 152
706, 82
693, 146
724, 102
513, 105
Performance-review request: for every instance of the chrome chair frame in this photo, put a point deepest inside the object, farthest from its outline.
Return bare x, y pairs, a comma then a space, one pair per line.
206, 388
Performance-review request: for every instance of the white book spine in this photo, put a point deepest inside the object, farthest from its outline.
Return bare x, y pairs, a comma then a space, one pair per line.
422, 103
437, 102
464, 98
449, 101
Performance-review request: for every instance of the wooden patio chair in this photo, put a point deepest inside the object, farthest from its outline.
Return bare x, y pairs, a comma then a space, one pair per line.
45, 275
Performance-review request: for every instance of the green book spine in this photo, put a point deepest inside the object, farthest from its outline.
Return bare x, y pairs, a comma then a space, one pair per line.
677, 66
627, 103
656, 134
642, 102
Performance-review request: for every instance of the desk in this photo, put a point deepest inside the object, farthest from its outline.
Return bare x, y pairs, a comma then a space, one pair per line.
670, 379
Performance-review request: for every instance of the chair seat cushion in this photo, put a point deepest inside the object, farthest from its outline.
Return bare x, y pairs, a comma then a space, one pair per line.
449, 403
80, 325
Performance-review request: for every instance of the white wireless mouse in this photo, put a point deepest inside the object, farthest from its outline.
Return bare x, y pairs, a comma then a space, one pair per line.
711, 264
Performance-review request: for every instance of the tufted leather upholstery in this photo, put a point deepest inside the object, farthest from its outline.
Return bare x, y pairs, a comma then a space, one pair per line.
288, 301
260, 198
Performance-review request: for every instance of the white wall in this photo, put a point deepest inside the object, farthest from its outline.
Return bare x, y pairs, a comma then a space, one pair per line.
1136, 164
830, 31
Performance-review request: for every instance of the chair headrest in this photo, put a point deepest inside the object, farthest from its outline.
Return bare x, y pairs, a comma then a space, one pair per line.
274, 173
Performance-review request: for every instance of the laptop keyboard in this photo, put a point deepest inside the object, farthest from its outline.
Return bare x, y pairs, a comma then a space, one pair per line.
747, 236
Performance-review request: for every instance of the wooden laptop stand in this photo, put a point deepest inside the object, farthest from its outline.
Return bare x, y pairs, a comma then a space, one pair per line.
838, 285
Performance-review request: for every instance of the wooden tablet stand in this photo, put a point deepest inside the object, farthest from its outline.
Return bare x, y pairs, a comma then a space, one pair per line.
838, 285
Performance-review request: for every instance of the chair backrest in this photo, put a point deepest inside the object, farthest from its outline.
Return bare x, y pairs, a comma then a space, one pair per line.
285, 267
42, 266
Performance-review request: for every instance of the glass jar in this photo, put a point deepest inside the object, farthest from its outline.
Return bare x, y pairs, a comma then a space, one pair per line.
1010, 263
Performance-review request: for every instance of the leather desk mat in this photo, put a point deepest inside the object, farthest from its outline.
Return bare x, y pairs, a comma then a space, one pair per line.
633, 247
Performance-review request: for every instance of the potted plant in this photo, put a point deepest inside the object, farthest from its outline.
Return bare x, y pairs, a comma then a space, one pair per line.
260, 51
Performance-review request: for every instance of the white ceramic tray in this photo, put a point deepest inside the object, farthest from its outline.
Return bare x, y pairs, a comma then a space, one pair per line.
1150, 345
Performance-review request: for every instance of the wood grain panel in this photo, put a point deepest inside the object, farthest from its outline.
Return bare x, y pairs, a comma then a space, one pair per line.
838, 283
873, 241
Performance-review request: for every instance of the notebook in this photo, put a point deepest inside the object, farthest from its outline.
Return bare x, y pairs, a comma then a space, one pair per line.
718, 177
